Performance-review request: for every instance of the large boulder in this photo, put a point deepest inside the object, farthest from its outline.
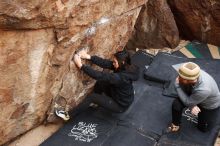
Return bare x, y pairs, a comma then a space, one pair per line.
37, 42
198, 19
155, 27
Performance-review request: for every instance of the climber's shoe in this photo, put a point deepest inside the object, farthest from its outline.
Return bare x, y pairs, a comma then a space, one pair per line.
171, 129
93, 105
62, 114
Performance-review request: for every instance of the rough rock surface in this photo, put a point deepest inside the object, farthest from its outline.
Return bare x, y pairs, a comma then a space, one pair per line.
198, 19
23, 87
155, 27
37, 42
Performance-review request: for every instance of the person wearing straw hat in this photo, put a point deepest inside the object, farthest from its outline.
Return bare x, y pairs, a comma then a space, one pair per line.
198, 91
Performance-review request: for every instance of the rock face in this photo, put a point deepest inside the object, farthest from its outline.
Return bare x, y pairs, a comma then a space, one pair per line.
37, 42
198, 19
155, 27
24, 96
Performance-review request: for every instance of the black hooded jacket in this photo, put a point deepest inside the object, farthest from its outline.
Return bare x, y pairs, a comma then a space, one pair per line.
121, 87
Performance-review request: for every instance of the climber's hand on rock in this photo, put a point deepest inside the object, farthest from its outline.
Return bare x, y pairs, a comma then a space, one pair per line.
77, 61
84, 55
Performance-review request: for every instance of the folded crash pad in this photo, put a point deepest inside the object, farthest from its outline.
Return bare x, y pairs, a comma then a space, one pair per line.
142, 59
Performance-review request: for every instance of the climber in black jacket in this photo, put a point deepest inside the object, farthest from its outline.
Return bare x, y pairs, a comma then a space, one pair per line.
113, 91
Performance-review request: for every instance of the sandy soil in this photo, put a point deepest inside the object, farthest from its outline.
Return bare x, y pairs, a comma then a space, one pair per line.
36, 136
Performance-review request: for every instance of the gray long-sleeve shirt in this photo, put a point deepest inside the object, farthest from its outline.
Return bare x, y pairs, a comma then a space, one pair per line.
205, 93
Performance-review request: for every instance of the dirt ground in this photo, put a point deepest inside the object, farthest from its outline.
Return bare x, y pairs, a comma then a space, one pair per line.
36, 136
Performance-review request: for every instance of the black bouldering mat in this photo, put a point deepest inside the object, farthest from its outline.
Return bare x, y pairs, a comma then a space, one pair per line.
161, 69
189, 135
142, 59
151, 113
126, 136
170, 90
85, 129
